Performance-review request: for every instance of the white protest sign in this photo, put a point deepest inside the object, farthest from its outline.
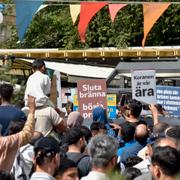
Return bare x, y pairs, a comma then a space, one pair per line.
144, 86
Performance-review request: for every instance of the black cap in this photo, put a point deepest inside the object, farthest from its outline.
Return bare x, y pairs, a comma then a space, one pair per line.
48, 144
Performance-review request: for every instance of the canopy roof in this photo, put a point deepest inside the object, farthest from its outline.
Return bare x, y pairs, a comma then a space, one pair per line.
98, 56
78, 70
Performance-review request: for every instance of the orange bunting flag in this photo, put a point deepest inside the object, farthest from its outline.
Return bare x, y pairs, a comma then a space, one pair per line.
87, 11
114, 8
152, 12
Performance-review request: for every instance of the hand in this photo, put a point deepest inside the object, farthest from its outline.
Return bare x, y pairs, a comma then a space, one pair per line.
153, 109
154, 112
61, 113
31, 104
116, 127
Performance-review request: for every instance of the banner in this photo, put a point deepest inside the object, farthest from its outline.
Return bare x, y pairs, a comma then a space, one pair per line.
113, 10
144, 86
74, 11
152, 12
87, 11
25, 10
111, 106
169, 98
90, 94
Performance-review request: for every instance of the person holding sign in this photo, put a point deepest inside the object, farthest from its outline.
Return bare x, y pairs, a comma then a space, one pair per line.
132, 112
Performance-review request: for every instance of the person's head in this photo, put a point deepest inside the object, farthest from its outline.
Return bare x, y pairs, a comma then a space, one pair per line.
127, 131
46, 152
68, 170
160, 142
135, 108
74, 119
6, 92
94, 128
75, 137
165, 163
131, 173
69, 107
102, 129
141, 133
39, 65
5, 175
102, 150
87, 133
99, 114
15, 126
174, 133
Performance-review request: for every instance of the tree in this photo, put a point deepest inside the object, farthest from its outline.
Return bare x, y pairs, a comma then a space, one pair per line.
52, 27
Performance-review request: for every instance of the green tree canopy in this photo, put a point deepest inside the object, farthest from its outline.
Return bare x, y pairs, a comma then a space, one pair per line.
52, 27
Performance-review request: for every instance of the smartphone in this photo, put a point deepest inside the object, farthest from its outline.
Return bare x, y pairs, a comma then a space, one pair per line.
123, 99
146, 107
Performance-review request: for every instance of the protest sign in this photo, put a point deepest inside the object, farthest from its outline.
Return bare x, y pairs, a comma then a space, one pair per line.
111, 105
169, 98
144, 86
90, 94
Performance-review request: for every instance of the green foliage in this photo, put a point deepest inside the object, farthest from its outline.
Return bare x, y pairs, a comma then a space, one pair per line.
52, 27
6, 77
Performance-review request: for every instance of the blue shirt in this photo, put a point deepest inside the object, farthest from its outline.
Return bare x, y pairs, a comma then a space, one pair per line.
9, 113
132, 150
127, 145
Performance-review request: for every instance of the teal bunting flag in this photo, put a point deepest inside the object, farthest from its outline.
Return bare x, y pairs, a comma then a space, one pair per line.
25, 10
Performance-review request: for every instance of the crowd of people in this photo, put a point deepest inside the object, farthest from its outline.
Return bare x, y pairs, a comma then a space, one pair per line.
39, 143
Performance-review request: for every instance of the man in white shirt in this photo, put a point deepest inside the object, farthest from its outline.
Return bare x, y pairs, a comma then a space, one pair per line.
38, 84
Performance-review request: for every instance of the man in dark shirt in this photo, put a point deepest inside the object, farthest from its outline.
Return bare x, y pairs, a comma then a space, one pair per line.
8, 112
76, 145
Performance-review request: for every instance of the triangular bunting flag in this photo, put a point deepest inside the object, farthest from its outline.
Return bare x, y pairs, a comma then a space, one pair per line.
74, 11
25, 11
2, 6
41, 7
87, 11
114, 8
1, 17
152, 12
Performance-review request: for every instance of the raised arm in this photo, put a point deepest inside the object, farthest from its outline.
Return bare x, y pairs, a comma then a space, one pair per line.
154, 112
27, 132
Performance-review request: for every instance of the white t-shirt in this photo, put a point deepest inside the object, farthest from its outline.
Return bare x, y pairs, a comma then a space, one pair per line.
38, 85
46, 119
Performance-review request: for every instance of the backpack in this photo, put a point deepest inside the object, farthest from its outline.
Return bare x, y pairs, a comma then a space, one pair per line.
77, 159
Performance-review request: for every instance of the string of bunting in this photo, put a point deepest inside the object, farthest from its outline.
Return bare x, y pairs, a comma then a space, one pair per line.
86, 11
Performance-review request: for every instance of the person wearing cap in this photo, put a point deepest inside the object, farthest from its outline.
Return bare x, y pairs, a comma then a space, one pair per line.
47, 159
11, 144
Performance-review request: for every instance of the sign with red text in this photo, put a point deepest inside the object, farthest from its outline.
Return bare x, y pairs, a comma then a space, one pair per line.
90, 94
144, 86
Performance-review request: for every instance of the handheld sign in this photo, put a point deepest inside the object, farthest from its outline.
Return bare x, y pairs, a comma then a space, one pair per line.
169, 98
90, 94
144, 86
